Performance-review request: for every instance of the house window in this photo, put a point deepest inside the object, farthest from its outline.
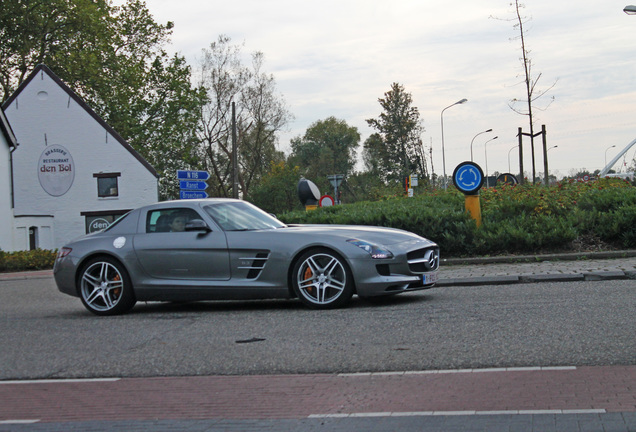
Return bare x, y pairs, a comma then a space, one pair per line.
99, 220
107, 184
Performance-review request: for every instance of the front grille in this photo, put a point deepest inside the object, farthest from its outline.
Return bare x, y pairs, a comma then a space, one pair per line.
423, 260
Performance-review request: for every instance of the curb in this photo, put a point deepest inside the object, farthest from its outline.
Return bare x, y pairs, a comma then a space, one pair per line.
515, 259
35, 274
509, 280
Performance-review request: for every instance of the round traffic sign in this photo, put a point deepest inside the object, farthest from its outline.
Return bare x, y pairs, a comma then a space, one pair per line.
508, 179
326, 201
468, 177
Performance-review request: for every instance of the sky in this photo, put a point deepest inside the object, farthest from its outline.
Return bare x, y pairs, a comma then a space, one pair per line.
338, 57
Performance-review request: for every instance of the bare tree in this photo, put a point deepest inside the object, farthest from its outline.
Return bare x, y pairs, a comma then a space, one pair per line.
533, 94
260, 114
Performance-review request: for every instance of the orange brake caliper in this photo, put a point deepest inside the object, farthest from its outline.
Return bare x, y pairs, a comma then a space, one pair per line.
308, 275
117, 291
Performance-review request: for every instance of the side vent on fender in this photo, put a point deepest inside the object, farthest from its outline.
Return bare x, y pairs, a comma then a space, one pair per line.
258, 264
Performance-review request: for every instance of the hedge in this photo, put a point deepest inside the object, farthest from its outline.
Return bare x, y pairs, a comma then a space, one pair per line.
515, 219
38, 259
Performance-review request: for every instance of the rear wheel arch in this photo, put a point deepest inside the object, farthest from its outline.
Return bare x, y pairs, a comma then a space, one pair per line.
82, 265
104, 285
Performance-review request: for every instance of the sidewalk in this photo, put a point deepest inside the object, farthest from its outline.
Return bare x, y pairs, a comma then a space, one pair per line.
542, 268
571, 399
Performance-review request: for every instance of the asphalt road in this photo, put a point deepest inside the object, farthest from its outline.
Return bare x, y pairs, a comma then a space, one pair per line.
45, 334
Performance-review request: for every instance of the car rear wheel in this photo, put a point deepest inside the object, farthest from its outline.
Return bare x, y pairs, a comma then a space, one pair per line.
322, 279
105, 287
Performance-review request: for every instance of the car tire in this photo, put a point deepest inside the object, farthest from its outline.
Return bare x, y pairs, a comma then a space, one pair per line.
322, 280
105, 287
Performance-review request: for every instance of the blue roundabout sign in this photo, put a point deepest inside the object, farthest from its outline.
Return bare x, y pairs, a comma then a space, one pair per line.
468, 177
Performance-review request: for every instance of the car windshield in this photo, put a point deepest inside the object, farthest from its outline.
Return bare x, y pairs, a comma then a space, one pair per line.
241, 216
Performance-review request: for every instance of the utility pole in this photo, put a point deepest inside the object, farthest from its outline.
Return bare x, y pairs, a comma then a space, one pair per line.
431, 158
545, 155
235, 193
520, 136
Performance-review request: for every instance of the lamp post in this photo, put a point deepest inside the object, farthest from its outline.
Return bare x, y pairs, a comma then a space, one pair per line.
606, 153
443, 153
509, 157
486, 154
471, 142
552, 148
630, 10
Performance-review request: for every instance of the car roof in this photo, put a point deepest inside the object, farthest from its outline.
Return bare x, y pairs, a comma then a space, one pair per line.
189, 202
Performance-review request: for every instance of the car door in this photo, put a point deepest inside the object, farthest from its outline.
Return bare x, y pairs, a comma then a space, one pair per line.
165, 251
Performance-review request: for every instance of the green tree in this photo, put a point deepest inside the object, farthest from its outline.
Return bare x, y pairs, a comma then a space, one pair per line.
260, 114
328, 147
396, 151
367, 186
113, 57
374, 155
277, 192
49, 31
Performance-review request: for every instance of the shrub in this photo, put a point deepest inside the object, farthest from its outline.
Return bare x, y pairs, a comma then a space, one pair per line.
37, 259
515, 219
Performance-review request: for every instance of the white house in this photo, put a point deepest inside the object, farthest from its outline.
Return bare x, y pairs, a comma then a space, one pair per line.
72, 173
8, 144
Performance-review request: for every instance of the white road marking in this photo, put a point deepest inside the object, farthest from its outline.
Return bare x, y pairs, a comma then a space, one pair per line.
60, 381
456, 371
459, 413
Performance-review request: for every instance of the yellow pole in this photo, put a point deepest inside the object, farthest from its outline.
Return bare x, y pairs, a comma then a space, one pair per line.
474, 208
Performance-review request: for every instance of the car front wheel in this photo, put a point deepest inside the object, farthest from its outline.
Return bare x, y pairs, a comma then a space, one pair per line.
322, 279
105, 287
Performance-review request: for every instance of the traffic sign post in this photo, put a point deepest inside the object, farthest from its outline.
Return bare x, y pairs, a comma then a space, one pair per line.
184, 194
468, 177
193, 175
335, 181
192, 184
326, 201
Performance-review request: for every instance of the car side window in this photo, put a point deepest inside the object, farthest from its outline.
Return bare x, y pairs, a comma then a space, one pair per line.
169, 220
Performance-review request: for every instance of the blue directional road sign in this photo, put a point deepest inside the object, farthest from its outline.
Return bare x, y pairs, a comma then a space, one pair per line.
184, 194
193, 175
468, 178
192, 185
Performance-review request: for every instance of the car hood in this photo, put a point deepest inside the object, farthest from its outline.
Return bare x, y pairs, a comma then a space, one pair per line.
377, 235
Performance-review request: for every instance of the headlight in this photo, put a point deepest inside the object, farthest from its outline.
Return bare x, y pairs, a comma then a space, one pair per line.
376, 252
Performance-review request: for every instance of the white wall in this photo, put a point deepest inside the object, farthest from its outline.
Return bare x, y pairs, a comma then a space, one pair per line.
6, 213
44, 115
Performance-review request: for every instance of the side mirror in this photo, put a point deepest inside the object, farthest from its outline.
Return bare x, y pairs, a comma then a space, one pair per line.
197, 225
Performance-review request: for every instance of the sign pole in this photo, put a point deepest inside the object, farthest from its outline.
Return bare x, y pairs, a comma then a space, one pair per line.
468, 179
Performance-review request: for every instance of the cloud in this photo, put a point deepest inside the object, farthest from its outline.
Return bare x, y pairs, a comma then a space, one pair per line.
337, 57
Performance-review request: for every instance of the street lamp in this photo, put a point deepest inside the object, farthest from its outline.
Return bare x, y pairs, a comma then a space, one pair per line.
486, 154
509, 157
551, 148
444, 154
630, 10
471, 142
606, 153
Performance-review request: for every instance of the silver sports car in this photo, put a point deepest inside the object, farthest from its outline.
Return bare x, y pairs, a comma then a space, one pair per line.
215, 249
